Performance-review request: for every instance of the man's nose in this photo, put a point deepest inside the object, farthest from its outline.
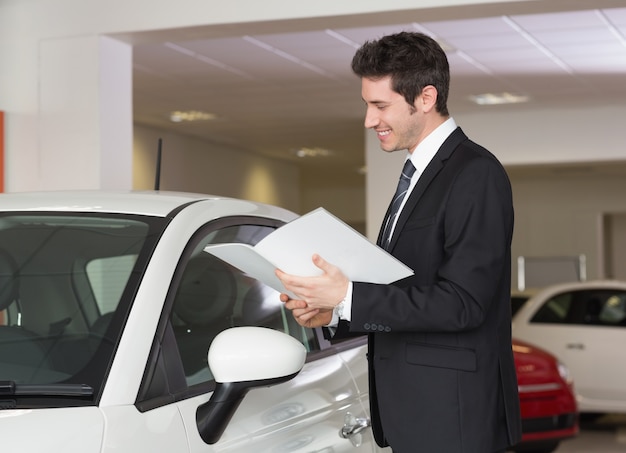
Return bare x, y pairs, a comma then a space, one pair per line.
371, 119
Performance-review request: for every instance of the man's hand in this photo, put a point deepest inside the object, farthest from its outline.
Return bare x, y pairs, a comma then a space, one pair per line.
305, 316
324, 291
318, 295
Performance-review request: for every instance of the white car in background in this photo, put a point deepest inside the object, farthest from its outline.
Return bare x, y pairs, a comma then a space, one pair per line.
108, 305
584, 325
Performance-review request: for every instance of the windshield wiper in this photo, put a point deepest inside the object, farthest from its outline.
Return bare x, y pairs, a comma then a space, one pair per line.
10, 388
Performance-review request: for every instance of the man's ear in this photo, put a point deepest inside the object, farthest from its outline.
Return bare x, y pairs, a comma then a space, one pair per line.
427, 99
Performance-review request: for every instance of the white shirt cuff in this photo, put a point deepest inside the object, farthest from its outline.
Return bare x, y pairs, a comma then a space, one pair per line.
347, 306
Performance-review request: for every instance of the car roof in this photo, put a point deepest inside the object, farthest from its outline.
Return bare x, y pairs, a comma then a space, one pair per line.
149, 203
153, 203
588, 284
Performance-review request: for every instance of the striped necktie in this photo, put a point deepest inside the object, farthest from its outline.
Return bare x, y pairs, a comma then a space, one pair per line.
403, 187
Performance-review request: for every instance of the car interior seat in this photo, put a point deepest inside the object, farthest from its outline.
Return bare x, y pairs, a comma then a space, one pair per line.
203, 307
19, 347
101, 325
262, 307
594, 307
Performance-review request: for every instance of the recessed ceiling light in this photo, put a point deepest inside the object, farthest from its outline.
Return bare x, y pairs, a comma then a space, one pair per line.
312, 152
498, 98
179, 116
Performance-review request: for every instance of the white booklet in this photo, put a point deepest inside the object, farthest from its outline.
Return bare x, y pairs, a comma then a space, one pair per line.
291, 247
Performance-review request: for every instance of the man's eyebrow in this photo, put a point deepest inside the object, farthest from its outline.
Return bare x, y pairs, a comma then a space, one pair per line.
376, 102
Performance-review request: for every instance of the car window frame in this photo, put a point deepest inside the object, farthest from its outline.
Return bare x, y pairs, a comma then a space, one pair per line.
164, 358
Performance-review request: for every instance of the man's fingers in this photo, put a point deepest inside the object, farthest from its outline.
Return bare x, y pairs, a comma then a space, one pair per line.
295, 304
305, 314
322, 263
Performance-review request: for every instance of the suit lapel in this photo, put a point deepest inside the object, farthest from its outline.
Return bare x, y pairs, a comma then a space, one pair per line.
430, 172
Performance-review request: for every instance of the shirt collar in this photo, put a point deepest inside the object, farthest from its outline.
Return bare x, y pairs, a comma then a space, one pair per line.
427, 148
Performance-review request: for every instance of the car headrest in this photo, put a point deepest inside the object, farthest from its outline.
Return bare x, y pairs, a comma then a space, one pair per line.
9, 282
260, 304
207, 292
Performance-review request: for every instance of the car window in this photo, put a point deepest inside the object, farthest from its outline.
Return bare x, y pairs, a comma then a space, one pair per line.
613, 310
554, 310
59, 275
601, 307
517, 302
107, 278
213, 295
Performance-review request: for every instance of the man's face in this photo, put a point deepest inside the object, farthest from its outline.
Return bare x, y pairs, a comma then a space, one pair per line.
398, 125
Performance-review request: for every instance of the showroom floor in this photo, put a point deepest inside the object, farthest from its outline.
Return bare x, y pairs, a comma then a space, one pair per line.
605, 435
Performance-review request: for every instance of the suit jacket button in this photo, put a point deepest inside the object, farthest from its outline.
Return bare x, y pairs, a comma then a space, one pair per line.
387, 329
366, 326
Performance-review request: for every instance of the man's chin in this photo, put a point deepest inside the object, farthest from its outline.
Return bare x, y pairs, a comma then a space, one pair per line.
388, 149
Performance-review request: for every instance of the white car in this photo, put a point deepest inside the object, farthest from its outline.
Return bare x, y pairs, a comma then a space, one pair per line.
584, 325
108, 306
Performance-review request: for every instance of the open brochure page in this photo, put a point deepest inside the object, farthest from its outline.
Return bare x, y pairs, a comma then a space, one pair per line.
291, 247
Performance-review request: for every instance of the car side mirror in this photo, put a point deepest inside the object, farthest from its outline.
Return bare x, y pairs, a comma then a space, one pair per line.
242, 358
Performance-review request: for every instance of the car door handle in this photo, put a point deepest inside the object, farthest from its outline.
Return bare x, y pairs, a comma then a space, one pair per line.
353, 426
578, 346
350, 430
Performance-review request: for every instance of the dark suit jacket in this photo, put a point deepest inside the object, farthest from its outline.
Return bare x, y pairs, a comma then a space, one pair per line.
442, 376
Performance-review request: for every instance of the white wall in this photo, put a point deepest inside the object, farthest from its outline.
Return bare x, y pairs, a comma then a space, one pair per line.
558, 214
580, 133
614, 245
191, 165
347, 203
67, 103
561, 215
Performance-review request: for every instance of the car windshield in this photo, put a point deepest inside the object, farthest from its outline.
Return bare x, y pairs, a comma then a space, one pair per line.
66, 284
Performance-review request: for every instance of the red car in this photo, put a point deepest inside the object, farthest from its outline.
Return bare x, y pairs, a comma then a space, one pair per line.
548, 405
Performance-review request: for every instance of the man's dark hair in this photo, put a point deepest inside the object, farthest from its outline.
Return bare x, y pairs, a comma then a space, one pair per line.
413, 60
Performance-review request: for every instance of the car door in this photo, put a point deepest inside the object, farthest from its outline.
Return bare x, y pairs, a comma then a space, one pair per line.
302, 415
585, 329
207, 296
355, 358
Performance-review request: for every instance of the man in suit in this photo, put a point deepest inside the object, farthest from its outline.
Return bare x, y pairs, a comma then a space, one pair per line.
442, 375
